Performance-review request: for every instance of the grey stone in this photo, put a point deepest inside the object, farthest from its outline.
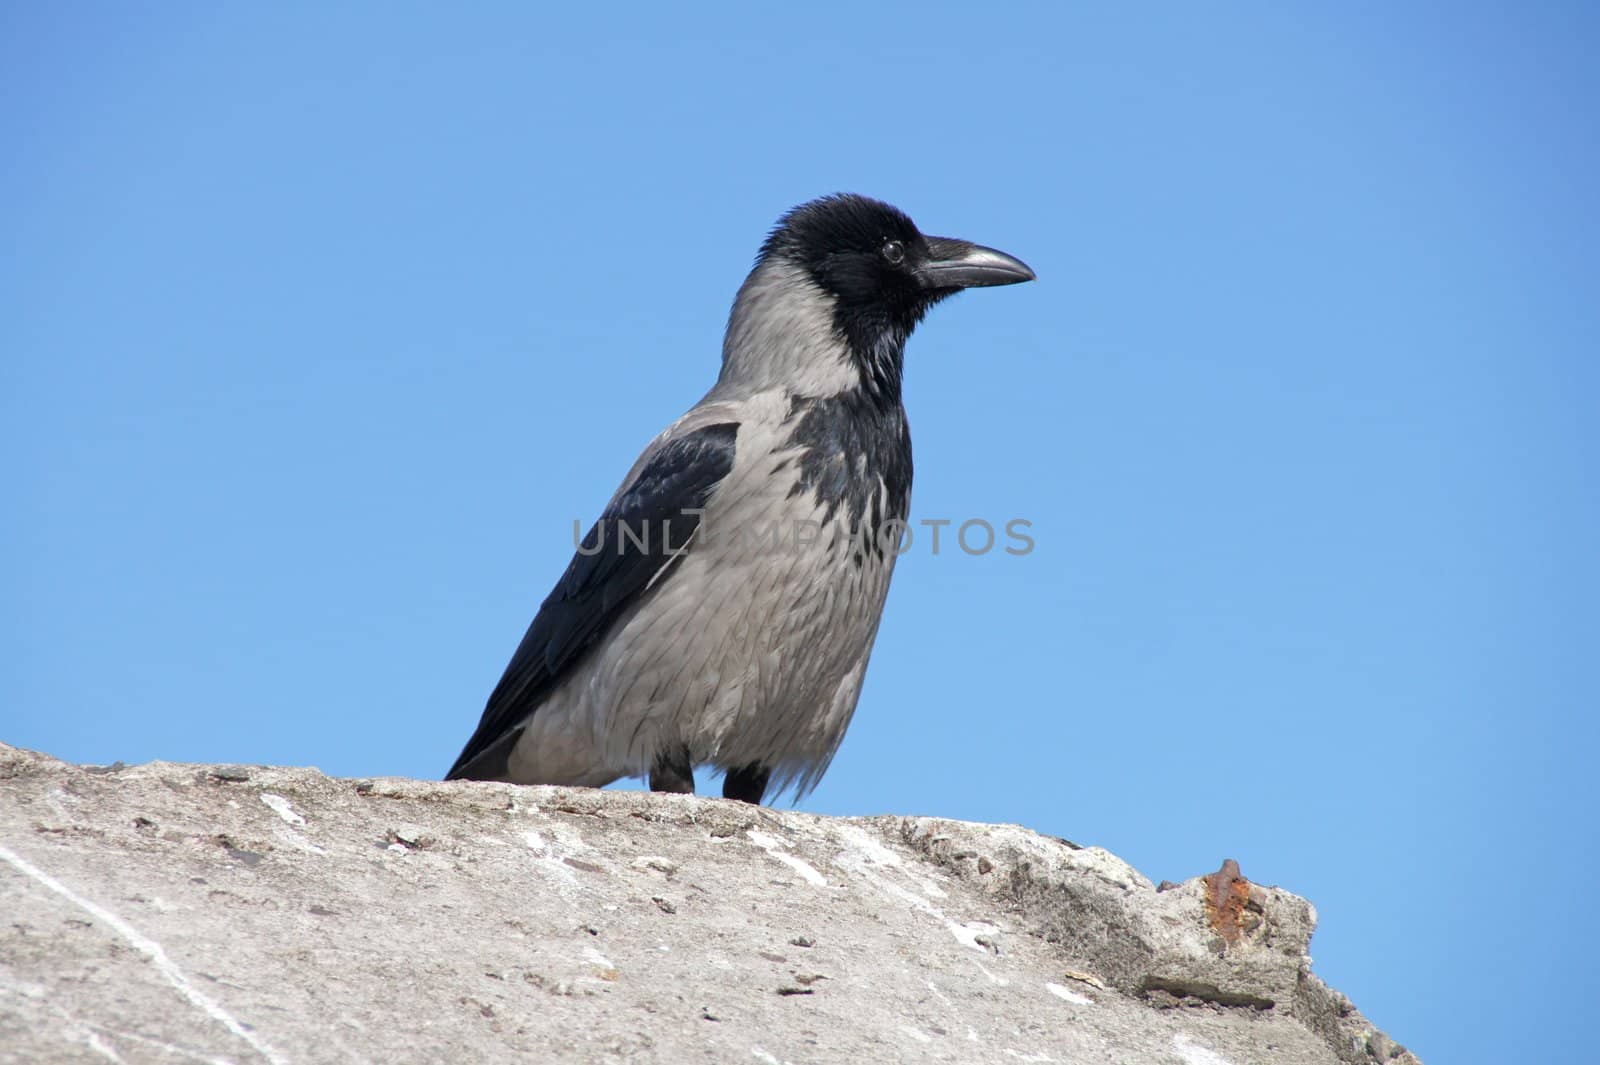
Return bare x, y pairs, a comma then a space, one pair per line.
168, 913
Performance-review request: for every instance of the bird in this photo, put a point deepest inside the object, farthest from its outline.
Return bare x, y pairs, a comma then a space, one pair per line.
722, 610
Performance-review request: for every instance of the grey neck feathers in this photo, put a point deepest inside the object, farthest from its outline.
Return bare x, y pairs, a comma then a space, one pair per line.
782, 334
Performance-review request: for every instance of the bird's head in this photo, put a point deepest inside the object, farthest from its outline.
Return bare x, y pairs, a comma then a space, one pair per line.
876, 273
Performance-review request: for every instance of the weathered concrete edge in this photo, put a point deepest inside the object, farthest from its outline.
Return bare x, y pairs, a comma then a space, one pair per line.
1095, 908
1051, 905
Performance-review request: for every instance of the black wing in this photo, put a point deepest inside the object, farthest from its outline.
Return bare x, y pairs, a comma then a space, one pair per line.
599, 584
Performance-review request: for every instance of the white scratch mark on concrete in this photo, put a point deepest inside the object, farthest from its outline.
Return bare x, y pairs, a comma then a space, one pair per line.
763, 1056
904, 894
594, 957
969, 933
59, 800
281, 807
1193, 1053
568, 837
1034, 1058
1069, 995
77, 1031
150, 949
921, 1037
998, 981
870, 849
98, 1045
561, 853
170, 1048
866, 851
771, 845
864, 859
546, 853
296, 840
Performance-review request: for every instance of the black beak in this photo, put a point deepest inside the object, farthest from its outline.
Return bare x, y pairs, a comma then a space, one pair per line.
958, 264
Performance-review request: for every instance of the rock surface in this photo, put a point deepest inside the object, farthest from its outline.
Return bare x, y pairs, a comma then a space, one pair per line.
168, 913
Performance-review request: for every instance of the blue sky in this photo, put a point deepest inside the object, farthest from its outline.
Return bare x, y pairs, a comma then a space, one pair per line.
320, 328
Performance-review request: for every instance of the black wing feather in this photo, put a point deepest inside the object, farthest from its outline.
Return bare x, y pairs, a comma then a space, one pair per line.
599, 585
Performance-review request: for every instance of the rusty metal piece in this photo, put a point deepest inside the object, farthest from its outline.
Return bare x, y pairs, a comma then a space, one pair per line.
1227, 898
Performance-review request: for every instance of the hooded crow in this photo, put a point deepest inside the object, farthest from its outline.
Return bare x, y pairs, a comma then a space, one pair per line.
722, 609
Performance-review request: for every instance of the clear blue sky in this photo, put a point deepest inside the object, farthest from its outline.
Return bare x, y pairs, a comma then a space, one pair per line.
320, 327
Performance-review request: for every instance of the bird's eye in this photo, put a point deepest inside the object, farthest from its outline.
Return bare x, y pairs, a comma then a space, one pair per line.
895, 252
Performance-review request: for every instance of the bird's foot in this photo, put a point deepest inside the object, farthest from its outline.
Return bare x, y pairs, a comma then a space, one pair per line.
673, 771
747, 783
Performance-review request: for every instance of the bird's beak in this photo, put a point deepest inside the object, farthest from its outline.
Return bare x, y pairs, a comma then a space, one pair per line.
959, 264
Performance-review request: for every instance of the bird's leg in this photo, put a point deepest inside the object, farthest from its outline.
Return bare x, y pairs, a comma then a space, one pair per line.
673, 771
747, 783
